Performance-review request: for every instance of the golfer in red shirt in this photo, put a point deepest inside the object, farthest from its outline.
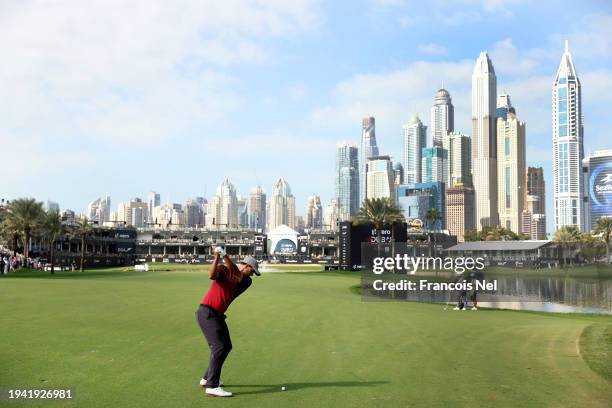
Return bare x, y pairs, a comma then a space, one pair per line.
229, 281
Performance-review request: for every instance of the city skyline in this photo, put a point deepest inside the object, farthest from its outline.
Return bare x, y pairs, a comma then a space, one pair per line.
327, 99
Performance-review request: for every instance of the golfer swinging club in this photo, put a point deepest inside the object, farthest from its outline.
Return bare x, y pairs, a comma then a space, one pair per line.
229, 281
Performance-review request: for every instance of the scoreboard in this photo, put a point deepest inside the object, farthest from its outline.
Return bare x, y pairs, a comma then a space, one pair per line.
352, 236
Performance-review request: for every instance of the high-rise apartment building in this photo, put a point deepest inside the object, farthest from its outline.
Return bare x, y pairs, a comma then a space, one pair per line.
133, 212
282, 206
153, 200
459, 153
347, 179
99, 210
434, 165
415, 139
536, 186
484, 141
314, 213
379, 178
568, 149
460, 215
223, 207
442, 117
510, 165
369, 149
257, 209
534, 211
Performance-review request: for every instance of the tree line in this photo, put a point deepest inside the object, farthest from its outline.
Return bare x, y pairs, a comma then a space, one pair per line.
25, 218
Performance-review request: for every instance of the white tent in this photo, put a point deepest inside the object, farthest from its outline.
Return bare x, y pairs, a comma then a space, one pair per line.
282, 240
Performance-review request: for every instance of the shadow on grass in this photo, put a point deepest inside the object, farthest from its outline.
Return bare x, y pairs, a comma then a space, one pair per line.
596, 348
272, 388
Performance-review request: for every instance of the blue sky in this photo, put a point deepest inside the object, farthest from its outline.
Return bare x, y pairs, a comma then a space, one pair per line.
173, 96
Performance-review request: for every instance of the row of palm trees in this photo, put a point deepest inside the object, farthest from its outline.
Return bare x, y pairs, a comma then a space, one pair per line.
589, 245
24, 218
494, 233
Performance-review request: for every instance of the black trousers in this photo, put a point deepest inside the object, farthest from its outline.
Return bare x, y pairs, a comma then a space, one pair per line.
217, 335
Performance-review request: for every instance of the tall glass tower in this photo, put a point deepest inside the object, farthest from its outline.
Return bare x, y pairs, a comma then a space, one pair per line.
368, 149
415, 139
484, 141
568, 150
347, 180
442, 117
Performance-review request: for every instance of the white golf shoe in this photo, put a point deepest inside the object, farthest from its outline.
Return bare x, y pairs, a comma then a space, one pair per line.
455, 308
203, 383
474, 308
218, 392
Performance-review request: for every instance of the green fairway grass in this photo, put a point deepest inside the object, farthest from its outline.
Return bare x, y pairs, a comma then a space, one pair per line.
129, 339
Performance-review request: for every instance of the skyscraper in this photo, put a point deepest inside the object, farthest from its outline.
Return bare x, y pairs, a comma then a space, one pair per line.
536, 187
282, 206
484, 141
459, 210
442, 117
51, 206
153, 200
99, 210
133, 212
243, 211
257, 209
331, 215
434, 165
368, 149
415, 139
379, 178
510, 165
398, 174
193, 214
347, 179
223, 206
459, 152
314, 213
534, 211
568, 150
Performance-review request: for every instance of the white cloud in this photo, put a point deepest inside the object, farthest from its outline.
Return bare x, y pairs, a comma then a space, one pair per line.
508, 60
388, 3
408, 21
297, 92
591, 37
136, 72
458, 18
432, 49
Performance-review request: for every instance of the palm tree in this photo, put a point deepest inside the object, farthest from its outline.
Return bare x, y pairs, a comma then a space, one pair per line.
52, 228
378, 211
471, 235
23, 216
564, 238
591, 247
82, 231
604, 227
395, 217
433, 216
8, 231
